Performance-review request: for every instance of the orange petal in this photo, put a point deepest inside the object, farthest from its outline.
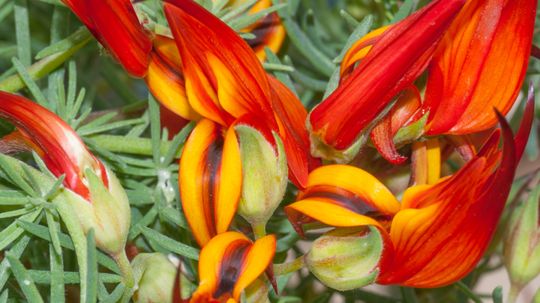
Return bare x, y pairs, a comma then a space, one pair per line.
444, 229
224, 78
165, 79
210, 179
229, 263
269, 32
480, 65
62, 150
291, 116
342, 196
398, 57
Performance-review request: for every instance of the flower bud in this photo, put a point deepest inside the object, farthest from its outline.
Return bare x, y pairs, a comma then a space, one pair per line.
346, 258
264, 175
522, 242
155, 276
108, 212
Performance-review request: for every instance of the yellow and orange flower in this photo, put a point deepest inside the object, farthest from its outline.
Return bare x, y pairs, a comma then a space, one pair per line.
390, 60
439, 231
480, 65
228, 264
227, 86
116, 26
54, 140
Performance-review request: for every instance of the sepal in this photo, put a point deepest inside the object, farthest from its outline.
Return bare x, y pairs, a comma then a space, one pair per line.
264, 175
108, 214
346, 259
522, 241
155, 276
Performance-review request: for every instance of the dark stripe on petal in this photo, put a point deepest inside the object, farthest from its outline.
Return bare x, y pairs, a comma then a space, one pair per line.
231, 267
211, 179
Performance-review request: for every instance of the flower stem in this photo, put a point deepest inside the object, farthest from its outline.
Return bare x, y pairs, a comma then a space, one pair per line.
127, 275
133, 146
43, 67
515, 290
289, 267
259, 230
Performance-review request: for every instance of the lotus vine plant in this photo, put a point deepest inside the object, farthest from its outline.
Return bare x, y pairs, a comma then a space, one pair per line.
256, 151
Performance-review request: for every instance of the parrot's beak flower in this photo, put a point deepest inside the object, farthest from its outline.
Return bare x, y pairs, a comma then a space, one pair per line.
210, 200
97, 198
54, 140
438, 232
225, 82
390, 61
228, 264
129, 42
480, 64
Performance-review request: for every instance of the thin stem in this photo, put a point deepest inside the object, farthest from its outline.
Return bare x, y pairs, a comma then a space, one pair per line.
127, 145
127, 275
259, 230
515, 290
42, 67
287, 268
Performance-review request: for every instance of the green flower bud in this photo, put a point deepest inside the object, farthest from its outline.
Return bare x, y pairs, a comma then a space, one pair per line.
155, 276
107, 212
264, 175
346, 258
522, 242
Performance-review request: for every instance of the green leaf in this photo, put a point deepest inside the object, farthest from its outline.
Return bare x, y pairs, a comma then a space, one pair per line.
304, 45
69, 277
92, 277
408, 295
16, 250
30, 84
497, 295
4, 297
65, 241
155, 127
54, 232
57, 275
22, 32
25, 281
13, 231
170, 244
116, 294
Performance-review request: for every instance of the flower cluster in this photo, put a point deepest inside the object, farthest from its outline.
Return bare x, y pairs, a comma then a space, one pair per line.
419, 89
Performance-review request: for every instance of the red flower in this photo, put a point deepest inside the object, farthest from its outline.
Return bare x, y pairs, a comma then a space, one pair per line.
480, 65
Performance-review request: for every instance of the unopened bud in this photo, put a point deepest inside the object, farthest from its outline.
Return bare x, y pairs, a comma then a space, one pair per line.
522, 242
155, 276
107, 213
264, 175
346, 259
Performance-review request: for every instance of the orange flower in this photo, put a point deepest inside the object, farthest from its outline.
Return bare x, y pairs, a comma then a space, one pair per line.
228, 264
480, 65
226, 84
439, 231
396, 56
54, 140
115, 25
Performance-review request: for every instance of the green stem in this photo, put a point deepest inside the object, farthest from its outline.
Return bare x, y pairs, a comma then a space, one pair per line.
79, 240
259, 230
290, 267
127, 145
515, 290
42, 67
127, 275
